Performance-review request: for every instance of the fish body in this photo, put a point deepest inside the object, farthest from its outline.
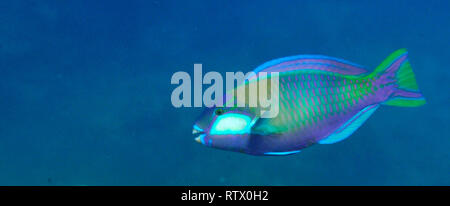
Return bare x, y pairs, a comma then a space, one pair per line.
321, 100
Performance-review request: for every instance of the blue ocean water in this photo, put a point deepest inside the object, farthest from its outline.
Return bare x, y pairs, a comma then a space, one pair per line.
85, 90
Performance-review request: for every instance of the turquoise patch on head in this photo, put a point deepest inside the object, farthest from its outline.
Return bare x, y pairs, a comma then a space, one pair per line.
230, 124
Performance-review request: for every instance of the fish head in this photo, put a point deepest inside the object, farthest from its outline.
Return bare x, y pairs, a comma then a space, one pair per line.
225, 128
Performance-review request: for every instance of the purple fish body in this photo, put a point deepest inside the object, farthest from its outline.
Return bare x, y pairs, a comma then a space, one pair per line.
321, 100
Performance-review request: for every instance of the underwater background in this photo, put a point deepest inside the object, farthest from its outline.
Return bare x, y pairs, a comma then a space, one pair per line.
85, 90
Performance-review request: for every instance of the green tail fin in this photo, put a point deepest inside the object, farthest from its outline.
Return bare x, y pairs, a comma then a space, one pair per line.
407, 92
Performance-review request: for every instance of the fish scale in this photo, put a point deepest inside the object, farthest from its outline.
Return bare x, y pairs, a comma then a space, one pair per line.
340, 98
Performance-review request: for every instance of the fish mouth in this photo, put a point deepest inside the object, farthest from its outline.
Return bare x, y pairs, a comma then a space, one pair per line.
200, 132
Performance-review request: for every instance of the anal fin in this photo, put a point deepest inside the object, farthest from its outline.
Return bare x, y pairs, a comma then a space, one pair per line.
350, 126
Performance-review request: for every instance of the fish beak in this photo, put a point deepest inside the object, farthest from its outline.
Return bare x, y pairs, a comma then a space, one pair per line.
195, 131
198, 130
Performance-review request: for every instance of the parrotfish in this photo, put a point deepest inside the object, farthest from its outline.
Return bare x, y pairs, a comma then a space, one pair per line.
322, 100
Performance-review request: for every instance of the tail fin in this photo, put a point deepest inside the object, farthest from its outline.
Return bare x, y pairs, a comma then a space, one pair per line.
406, 92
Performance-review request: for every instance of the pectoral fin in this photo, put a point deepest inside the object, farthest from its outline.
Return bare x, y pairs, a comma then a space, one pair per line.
265, 126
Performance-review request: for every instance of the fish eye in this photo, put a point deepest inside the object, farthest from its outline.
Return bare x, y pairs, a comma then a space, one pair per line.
219, 111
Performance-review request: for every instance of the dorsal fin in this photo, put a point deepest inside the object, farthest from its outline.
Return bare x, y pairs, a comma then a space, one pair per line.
310, 62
